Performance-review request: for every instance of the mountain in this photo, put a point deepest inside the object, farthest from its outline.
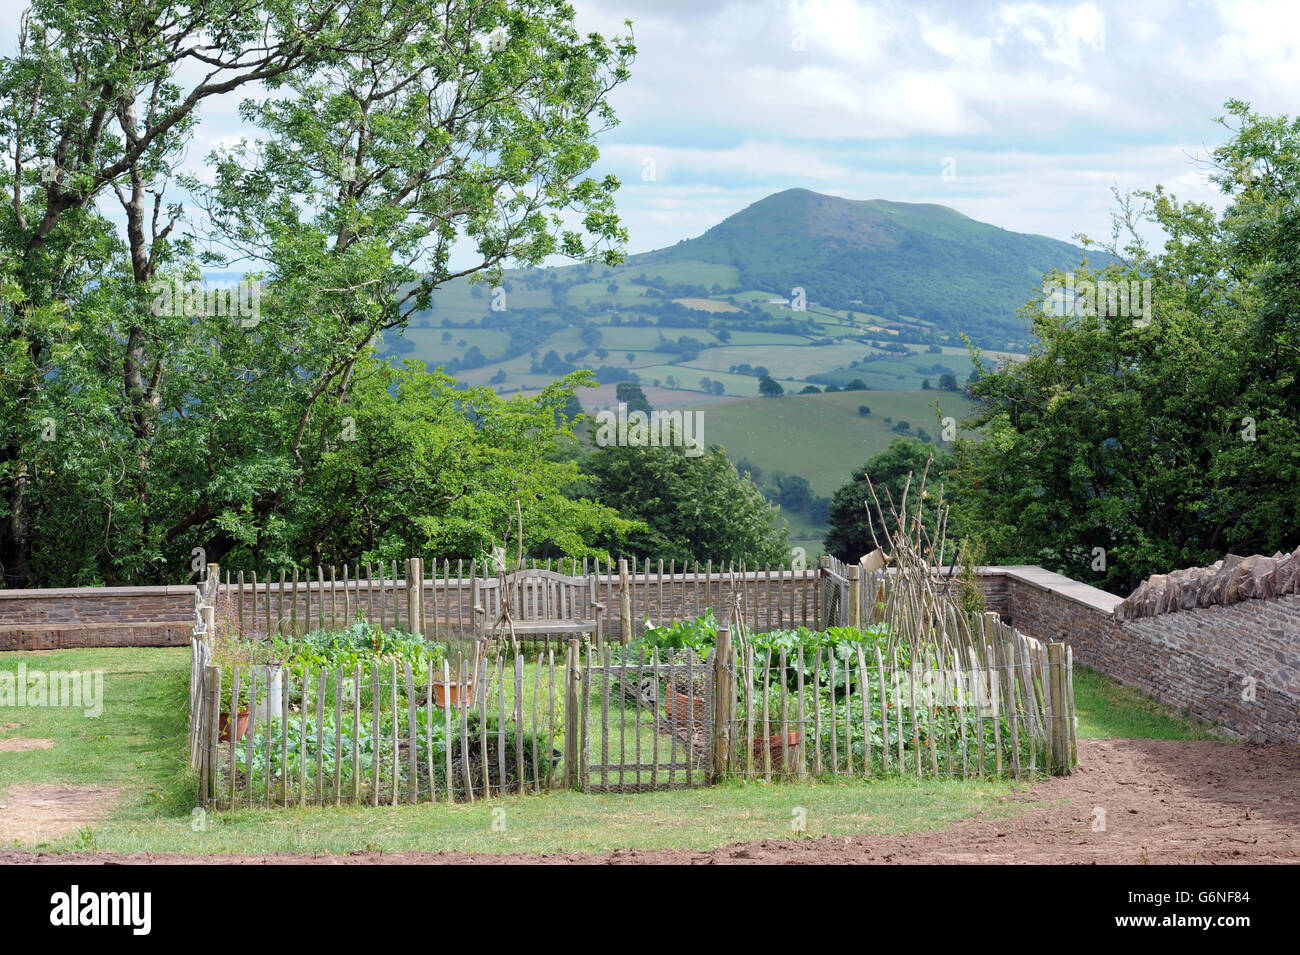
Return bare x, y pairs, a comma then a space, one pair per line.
890, 288
886, 258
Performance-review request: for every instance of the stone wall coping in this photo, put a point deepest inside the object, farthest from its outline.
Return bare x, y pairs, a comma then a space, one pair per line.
1094, 598
1080, 593
57, 593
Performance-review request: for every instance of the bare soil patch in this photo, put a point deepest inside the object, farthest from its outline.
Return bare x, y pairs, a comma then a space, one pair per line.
21, 744
32, 814
1164, 802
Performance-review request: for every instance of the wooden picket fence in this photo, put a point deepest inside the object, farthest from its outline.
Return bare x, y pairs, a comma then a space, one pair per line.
1006, 712
437, 598
485, 722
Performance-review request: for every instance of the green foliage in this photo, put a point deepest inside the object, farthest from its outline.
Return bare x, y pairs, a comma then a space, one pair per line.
363, 644
480, 737
854, 512
631, 394
1161, 446
132, 433
690, 508
699, 635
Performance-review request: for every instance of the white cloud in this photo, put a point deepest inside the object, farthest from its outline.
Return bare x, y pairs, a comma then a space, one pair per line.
1043, 105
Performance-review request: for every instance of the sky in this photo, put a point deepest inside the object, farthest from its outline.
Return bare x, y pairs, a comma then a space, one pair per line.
1024, 115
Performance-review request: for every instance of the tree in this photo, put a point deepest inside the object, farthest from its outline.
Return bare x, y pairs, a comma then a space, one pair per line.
853, 512
1164, 444
793, 492
948, 381
769, 387
102, 100
694, 508
177, 430
630, 393
863, 410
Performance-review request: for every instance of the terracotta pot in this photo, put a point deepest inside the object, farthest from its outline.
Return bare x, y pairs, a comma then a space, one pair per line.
454, 692
684, 709
773, 745
223, 726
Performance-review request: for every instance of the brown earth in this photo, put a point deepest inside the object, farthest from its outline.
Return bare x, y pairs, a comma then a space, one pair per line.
21, 744
1163, 802
42, 812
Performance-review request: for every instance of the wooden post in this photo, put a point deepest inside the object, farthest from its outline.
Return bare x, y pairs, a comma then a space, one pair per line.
1069, 705
419, 598
625, 603
212, 715
412, 604
210, 608
572, 697
1059, 731
722, 692
855, 596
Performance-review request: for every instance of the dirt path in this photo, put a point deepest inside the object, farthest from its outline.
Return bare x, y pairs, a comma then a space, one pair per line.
1164, 802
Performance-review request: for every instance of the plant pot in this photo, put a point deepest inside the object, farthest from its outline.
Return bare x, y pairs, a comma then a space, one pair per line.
454, 693
223, 726
772, 744
683, 709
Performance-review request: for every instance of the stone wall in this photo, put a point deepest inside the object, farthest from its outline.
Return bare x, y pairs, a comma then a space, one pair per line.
95, 617
1236, 665
163, 616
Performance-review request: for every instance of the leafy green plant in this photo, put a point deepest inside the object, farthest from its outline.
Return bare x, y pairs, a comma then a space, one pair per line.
700, 634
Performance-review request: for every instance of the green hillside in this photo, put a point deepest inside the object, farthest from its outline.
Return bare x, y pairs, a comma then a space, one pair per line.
821, 438
889, 258
785, 434
888, 290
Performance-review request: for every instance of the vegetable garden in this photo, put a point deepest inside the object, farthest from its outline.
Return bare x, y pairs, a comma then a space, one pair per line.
380, 714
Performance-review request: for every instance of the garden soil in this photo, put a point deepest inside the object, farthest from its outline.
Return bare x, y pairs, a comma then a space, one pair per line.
1128, 801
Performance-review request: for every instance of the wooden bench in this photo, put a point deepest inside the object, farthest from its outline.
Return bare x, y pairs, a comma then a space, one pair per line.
542, 603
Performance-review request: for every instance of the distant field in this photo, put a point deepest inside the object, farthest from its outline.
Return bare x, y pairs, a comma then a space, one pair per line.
620, 319
594, 399
689, 378
786, 360
822, 437
706, 305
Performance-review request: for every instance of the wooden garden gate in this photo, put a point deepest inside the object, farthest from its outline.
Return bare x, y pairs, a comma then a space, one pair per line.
647, 723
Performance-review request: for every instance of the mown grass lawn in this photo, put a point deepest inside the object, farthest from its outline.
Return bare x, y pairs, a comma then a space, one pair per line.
1108, 709
138, 744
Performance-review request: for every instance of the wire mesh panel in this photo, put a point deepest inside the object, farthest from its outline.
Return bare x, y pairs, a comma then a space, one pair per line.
647, 721
834, 599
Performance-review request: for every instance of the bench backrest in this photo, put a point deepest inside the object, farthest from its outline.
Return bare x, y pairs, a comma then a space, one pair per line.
539, 596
